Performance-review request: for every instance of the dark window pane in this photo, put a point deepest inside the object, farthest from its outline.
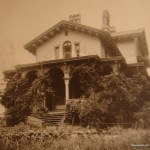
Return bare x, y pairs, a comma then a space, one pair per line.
67, 49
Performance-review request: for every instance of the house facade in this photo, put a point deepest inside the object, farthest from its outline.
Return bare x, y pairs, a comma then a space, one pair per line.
70, 42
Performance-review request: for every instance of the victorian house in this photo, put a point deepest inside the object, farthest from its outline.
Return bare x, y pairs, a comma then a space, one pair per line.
70, 41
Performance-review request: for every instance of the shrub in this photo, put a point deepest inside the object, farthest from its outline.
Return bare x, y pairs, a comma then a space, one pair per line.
23, 94
110, 99
87, 112
93, 110
142, 116
40, 89
73, 109
16, 100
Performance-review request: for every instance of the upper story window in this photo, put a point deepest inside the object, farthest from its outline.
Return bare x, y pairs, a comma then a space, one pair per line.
67, 52
57, 52
77, 49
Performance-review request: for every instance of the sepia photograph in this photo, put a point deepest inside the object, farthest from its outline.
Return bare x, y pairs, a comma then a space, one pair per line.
74, 74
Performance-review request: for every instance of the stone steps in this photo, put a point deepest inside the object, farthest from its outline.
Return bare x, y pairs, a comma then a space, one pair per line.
52, 118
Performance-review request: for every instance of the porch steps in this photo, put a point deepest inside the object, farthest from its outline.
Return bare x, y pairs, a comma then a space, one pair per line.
53, 118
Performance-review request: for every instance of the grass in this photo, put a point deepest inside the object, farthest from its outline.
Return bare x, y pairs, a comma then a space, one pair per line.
72, 138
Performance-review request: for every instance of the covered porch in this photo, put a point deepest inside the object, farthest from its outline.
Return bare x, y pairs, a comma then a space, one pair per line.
65, 85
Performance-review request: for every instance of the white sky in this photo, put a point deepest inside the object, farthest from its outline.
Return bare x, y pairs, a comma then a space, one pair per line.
23, 20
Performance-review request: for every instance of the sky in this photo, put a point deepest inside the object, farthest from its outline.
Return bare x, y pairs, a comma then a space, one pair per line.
23, 20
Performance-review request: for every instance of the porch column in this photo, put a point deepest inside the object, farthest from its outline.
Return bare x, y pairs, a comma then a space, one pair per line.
66, 81
116, 68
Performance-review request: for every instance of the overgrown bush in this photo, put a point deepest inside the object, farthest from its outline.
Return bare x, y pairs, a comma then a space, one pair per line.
16, 100
73, 109
143, 115
25, 96
117, 102
89, 75
110, 99
93, 110
40, 89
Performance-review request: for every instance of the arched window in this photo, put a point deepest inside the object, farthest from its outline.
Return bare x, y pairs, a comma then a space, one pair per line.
67, 49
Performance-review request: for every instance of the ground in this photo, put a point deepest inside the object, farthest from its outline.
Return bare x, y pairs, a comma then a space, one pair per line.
66, 137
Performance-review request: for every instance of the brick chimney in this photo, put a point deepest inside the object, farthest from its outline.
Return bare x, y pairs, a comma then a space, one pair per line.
76, 18
105, 19
106, 22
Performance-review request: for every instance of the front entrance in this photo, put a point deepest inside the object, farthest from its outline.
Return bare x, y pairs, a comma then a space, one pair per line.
58, 86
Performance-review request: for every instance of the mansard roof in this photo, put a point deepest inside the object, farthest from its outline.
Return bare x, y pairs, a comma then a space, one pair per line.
68, 25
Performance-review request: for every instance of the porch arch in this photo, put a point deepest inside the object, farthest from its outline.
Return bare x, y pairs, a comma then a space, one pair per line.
58, 86
31, 75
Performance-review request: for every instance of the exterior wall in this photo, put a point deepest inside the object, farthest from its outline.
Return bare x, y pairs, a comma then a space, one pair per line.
128, 48
89, 45
137, 47
103, 54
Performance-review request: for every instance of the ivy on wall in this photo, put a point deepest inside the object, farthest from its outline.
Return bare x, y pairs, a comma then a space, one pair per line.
41, 87
24, 96
109, 98
17, 100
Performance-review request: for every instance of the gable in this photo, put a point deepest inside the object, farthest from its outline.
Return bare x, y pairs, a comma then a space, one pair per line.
67, 25
88, 44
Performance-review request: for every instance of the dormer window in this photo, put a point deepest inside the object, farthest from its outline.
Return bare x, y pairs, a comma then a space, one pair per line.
57, 52
77, 49
67, 52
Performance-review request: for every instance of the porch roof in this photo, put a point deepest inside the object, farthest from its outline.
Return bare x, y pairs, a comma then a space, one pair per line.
64, 61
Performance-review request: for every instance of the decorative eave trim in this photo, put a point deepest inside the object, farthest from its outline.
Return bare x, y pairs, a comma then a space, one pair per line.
32, 45
118, 58
61, 61
9, 71
139, 64
58, 61
143, 58
63, 25
6, 72
127, 34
